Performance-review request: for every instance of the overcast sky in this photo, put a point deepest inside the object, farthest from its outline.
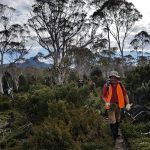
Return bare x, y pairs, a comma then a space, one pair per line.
24, 6
144, 7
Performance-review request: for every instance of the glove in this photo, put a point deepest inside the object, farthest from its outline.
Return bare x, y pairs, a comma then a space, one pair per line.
128, 107
107, 105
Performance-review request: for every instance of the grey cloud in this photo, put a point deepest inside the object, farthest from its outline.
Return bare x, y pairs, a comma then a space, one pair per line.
136, 29
23, 8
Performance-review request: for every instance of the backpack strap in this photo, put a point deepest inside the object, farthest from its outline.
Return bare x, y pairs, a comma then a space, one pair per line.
122, 87
108, 82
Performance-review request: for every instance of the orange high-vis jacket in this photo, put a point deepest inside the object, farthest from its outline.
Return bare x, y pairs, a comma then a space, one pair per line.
121, 98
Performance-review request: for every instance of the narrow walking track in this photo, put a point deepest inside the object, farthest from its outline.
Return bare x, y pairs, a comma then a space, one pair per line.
120, 143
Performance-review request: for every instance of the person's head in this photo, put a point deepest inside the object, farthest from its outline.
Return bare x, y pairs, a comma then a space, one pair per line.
114, 75
81, 81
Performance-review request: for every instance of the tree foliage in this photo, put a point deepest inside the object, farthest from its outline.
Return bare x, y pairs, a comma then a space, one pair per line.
59, 25
13, 37
140, 41
137, 83
117, 17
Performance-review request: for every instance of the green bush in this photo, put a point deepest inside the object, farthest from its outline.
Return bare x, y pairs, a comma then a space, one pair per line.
23, 84
140, 143
60, 92
138, 84
36, 108
132, 131
60, 110
69, 127
4, 103
61, 119
89, 146
35, 103
73, 77
38, 86
69, 93
134, 136
53, 135
96, 76
20, 100
77, 96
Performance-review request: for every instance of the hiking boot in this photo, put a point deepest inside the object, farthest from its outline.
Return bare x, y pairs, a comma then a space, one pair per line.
113, 131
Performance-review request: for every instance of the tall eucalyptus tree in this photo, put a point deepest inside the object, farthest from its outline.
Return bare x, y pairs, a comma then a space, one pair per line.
60, 24
118, 18
12, 38
140, 40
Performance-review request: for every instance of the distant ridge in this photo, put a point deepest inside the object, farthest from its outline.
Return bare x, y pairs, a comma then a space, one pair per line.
34, 63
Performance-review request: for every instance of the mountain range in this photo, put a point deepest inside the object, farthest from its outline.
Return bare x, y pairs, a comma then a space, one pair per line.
36, 62
33, 62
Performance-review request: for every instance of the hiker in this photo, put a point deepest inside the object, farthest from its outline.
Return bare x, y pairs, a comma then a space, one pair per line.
115, 97
80, 83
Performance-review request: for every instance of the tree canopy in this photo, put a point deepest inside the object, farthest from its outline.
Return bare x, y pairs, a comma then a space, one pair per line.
117, 17
13, 37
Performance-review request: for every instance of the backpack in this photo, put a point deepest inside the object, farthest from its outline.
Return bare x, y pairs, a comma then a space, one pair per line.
108, 82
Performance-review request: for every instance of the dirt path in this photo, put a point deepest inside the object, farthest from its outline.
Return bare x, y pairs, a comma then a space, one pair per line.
120, 144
